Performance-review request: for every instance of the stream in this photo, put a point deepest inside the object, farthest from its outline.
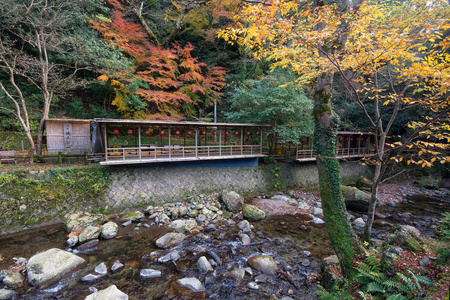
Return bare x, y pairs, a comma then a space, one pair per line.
297, 245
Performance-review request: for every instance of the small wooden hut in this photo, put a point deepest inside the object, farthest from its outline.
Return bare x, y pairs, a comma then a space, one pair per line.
68, 136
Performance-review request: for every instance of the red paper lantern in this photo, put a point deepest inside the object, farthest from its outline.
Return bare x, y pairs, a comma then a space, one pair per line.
203, 132
115, 131
214, 132
257, 133
177, 132
189, 132
162, 132
236, 132
147, 132
357, 139
346, 139
226, 132
130, 131
248, 133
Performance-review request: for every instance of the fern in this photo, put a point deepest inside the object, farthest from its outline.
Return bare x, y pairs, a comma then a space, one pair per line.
396, 297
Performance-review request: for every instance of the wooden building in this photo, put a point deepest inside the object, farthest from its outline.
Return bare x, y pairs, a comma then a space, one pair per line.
68, 136
128, 142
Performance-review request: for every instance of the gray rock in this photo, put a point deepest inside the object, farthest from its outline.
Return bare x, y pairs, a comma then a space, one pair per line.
201, 218
116, 266
253, 285
237, 274
332, 259
425, 261
303, 205
233, 201
193, 213
281, 197
264, 263
49, 266
21, 261
253, 213
411, 229
91, 277
3, 274
83, 219
317, 211
191, 283
150, 273
72, 241
355, 199
170, 239
89, 233
244, 226
359, 223
13, 280
210, 228
306, 262
245, 239
317, 221
109, 230
7, 294
127, 223
110, 293
172, 256
183, 225
133, 216
204, 265
101, 269
292, 202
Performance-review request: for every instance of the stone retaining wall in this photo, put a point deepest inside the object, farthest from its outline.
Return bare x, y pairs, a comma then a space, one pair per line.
33, 198
135, 187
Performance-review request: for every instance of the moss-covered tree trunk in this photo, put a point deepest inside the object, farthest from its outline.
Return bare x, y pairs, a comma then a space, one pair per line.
344, 241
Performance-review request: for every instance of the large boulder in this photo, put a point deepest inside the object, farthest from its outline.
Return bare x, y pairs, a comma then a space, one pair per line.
253, 213
7, 294
264, 263
112, 292
82, 219
89, 233
232, 200
364, 184
49, 266
355, 199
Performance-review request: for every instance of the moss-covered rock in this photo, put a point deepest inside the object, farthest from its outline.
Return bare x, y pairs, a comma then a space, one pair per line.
253, 213
355, 199
429, 183
364, 184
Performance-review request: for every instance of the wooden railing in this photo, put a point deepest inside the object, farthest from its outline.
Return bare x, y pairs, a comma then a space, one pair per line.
309, 154
152, 152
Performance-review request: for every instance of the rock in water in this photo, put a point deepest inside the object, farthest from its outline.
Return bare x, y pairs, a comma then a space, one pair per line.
111, 293
150, 273
133, 216
264, 263
244, 226
109, 230
82, 220
170, 239
359, 223
116, 266
355, 199
253, 213
204, 265
49, 266
7, 294
90, 233
13, 280
232, 200
192, 283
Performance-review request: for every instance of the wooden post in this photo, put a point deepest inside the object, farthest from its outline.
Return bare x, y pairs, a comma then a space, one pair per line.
85, 158
170, 151
139, 142
242, 140
106, 142
196, 142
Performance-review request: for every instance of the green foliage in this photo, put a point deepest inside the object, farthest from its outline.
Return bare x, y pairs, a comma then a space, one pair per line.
275, 100
376, 283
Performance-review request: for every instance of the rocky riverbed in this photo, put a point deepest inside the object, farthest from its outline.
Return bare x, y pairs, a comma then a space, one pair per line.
211, 246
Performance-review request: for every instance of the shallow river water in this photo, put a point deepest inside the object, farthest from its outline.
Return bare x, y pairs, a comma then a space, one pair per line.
297, 245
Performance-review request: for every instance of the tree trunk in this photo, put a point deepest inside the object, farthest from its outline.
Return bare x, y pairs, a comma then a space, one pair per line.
344, 241
372, 204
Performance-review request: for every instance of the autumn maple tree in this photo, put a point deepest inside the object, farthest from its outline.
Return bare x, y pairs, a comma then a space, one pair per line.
393, 56
170, 81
